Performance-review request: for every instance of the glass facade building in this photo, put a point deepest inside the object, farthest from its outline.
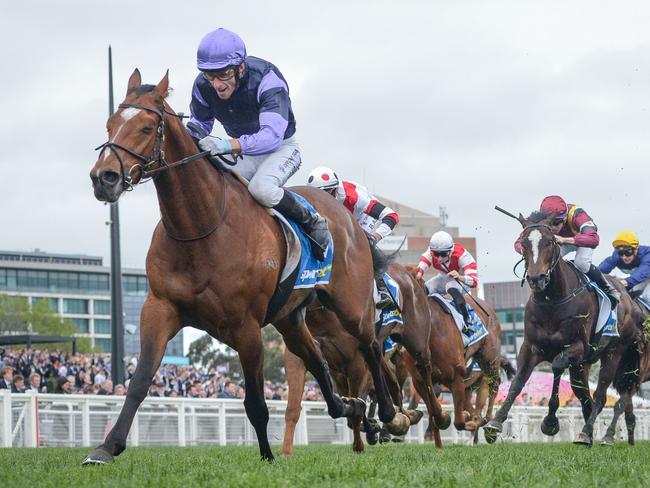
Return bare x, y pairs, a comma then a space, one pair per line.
77, 287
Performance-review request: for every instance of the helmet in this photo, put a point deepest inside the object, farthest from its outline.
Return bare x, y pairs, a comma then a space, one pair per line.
441, 241
626, 238
554, 204
323, 178
219, 49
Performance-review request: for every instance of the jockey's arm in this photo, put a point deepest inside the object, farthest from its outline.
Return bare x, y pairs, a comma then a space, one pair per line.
468, 265
608, 264
200, 114
380, 212
424, 264
641, 274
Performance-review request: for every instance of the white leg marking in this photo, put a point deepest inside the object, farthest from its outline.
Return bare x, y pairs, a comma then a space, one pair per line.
534, 237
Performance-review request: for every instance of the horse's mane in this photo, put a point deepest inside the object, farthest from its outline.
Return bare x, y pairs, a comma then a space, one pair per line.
381, 260
538, 216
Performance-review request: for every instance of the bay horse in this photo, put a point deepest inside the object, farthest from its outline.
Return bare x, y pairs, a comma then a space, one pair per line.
559, 327
215, 261
449, 359
347, 365
633, 370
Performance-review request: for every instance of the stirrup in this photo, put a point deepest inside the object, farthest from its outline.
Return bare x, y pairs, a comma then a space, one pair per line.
384, 299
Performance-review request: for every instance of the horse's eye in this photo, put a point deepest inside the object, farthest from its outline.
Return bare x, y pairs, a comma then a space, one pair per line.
147, 130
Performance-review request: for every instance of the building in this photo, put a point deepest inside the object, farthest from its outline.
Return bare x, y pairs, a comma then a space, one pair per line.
77, 287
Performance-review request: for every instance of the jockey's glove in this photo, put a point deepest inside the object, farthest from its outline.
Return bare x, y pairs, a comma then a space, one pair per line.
215, 146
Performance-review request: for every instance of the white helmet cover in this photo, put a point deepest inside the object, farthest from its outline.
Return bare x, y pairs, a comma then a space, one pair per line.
323, 178
441, 241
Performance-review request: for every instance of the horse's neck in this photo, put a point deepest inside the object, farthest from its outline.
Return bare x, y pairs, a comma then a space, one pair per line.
190, 196
563, 281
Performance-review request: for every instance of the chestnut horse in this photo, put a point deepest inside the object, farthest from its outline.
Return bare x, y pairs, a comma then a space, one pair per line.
215, 261
559, 327
633, 370
449, 359
348, 366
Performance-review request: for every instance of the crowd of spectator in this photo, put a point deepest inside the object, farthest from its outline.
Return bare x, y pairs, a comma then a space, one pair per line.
43, 371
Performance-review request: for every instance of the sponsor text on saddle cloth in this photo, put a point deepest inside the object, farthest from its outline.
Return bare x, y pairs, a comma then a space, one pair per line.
479, 331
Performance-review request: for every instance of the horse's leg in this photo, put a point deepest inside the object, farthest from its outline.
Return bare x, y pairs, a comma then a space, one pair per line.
550, 425
579, 375
300, 342
295, 373
630, 419
159, 324
526, 362
484, 391
609, 438
356, 376
608, 365
458, 394
249, 344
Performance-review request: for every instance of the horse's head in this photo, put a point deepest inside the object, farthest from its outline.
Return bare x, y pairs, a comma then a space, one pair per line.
135, 139
540, 250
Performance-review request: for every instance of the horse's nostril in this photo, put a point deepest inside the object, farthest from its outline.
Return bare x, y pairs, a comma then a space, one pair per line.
110, 177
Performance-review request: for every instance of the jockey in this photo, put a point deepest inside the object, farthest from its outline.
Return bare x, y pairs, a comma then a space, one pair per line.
575, 231
375, 218
455, 265
633, 259
250, 98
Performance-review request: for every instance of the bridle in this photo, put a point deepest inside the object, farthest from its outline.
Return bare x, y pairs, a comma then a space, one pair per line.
157, 157
557, 253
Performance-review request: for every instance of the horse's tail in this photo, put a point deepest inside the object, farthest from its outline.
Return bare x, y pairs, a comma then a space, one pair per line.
628, 374
381, 260
508, 368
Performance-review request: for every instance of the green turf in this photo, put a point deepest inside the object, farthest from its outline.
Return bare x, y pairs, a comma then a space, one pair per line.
390, 465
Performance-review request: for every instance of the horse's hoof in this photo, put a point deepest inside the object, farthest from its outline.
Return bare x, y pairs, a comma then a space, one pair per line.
99, 455
372, 431
414, 416
446, 422
550, 426
607, 440
372, 439
583, 439
490, 436
399, 425
384, 436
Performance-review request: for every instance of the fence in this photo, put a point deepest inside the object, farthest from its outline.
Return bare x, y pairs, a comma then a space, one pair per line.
48, 420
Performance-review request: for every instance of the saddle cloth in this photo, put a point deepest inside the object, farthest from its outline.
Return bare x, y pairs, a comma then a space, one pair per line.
390, 314
479, 331
607, 322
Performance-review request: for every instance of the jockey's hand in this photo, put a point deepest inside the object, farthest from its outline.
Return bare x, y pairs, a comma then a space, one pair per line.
624, 283
559, 239
215, 146
376, 237
419, 274
454, 274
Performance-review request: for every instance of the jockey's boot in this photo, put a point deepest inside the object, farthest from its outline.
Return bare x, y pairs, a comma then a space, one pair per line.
461, 306
313, 224
384, 296
596, 275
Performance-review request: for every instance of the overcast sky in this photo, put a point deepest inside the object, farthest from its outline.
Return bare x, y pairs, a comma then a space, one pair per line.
465, 104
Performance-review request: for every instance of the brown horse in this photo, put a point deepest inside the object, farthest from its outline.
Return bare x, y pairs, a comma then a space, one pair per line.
449, 359
633, 370
215, 261
348, 367
559, 327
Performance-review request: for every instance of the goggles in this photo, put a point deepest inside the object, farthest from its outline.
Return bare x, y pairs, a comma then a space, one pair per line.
221, 75
441, 254
557, 221
625, 252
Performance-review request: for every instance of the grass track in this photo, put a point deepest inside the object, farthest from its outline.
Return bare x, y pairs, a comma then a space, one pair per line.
392, 465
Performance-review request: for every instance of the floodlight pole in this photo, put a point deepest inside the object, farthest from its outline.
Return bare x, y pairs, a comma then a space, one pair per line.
117, 316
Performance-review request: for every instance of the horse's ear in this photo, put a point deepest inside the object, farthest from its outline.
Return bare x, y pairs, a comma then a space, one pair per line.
134, 81
162, 88
522, 220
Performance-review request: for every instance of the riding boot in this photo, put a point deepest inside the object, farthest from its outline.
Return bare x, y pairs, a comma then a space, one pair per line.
595, 275
313, 224
461, 306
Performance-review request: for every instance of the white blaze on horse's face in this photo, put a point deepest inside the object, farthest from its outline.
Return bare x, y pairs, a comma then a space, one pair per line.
534, 237
127, 114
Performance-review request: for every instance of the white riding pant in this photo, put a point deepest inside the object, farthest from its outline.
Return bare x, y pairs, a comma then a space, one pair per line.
267, 173
584, 256
644, 286
441, 283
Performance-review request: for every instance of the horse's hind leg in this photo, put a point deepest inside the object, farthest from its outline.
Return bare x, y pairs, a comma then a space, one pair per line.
630, 419
610, 436
300, 342
295, 372
159, 324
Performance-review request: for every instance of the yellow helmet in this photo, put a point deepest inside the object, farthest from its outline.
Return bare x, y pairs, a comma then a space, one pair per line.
626, 238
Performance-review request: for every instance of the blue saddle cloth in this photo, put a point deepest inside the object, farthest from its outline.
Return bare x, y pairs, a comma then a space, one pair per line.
391, 313
479, 331
311, 271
